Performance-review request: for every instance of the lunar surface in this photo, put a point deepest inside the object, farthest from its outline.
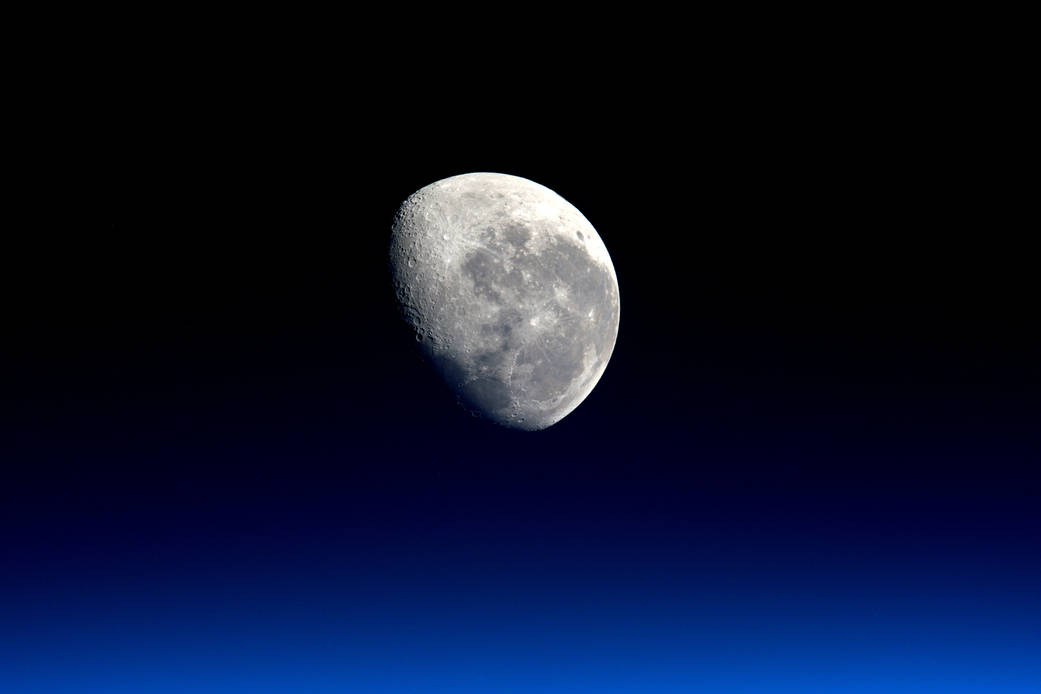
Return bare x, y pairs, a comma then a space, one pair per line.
511, 293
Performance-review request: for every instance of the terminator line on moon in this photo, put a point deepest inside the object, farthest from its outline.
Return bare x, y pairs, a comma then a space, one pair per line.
511, 293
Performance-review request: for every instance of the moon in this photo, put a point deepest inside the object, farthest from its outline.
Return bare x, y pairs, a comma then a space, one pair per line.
511, 293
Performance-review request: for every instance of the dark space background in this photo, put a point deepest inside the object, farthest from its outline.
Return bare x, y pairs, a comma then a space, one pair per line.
811, 465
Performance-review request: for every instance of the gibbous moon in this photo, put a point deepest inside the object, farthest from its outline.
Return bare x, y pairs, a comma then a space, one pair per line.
511, 293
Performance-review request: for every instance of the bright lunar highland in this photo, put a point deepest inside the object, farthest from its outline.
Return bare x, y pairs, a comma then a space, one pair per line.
511, 293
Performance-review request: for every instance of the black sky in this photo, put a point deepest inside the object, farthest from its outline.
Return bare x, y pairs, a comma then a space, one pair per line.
828, 334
